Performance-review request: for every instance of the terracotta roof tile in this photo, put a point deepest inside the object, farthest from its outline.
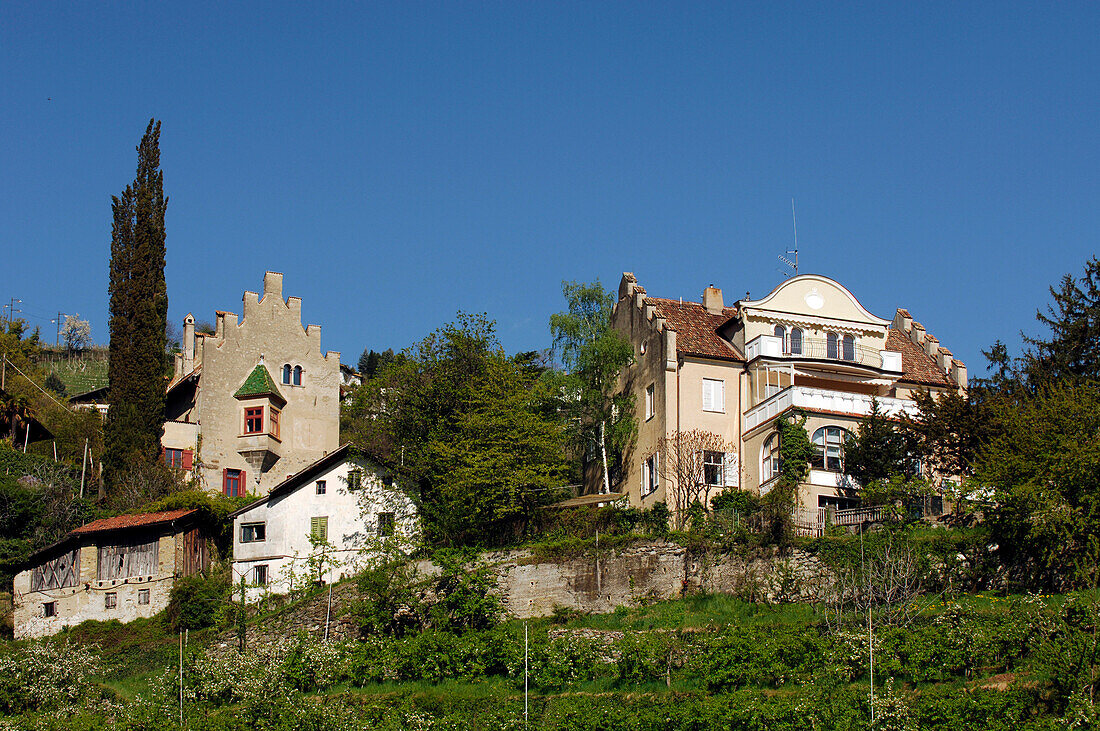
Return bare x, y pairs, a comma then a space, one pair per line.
696, 329
917, 366
138, 520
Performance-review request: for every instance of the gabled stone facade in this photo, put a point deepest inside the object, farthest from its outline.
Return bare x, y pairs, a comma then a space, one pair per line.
257, 400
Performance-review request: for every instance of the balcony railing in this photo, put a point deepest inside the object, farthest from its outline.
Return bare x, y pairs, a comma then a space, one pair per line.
773, 346
820, 399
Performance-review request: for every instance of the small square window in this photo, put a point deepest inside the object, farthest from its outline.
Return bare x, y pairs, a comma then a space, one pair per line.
321, 487
253, 532
254, 420
714, 395
259, 575
355, 479
49, 609
649, 402
173, 458
143, 596
385, 524
110, 600
318, 528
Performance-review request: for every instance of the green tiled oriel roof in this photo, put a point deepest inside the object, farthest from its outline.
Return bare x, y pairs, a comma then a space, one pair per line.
258, 383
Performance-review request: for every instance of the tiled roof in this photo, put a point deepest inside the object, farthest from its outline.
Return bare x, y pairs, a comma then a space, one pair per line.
258, 383
139, 520
917, 366
696, 329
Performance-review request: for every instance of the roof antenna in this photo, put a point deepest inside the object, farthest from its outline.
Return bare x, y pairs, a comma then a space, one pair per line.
792, 264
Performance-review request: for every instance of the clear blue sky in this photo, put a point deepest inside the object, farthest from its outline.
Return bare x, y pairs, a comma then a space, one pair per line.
400, 162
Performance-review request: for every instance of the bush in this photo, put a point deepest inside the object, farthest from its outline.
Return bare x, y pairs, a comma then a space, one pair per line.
198, 601
45, 675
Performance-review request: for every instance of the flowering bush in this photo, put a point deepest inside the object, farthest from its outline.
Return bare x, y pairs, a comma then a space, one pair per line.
45, 675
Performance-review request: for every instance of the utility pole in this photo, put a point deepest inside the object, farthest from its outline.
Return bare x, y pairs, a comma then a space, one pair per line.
10, 307
57, 341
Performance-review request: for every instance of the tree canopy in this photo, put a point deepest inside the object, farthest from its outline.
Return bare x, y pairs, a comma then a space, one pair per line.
472, 431
600, 416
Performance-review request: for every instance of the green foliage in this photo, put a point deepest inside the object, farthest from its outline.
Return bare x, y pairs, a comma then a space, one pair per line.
473, 431
389, 602
198, 601
138, 315
466, 594
601, 419
45, 676
1043, 470
1072, 349
878, 451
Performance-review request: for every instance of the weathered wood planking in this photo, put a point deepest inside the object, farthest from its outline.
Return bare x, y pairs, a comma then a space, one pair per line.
135, 557
194, 554
57, 573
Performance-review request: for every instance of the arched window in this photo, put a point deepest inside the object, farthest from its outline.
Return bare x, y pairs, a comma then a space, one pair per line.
781, 332
297, 375
796, 341
849, 348
831, 346
829, 448
770, 459
286, 374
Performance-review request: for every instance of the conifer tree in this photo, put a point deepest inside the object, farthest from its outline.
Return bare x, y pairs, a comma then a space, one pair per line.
138, 315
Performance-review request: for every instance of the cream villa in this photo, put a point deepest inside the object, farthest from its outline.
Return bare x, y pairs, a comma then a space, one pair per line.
732, 371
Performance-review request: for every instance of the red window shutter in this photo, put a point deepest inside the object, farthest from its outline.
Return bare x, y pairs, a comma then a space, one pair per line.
241, 490
225, 481
187, 459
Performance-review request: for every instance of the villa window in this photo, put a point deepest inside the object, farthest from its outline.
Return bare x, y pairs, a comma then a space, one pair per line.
832, 349
781, 333
649, 402
828, 444
714, 468
321, 487
274, 426
297, 375
849, 351
253, 532
286, 374
796, 341
770, 462
714, 395
650, 476
254, 420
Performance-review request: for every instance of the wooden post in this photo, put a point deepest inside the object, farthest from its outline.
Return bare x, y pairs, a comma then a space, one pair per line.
241, 628
83, 467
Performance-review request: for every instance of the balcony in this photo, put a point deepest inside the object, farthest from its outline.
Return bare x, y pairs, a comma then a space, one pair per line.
819, 399
771, 346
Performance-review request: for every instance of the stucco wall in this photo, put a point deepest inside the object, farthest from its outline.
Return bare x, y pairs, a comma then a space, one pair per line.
352, 527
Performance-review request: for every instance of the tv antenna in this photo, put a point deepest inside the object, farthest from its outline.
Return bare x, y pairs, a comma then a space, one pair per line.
792, 264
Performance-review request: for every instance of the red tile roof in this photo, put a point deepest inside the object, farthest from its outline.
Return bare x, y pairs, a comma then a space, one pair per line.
696, 329
917, 366
132, 521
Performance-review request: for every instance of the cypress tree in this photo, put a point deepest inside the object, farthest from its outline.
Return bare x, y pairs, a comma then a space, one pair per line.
138, 316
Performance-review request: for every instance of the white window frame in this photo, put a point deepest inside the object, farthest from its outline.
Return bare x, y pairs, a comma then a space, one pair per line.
720, 467
252, 525
651, 475
714, 395
260, 571
650, 401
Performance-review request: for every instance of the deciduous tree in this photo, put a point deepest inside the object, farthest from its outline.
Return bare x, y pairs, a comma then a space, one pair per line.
601, 418
694, 466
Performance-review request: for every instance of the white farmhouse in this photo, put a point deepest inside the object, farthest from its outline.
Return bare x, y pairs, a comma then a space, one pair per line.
320, 524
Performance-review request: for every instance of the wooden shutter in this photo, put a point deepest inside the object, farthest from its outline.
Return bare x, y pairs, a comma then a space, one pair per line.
188, 459
708, 395
719, 397
318, 527
241, 489
729, 469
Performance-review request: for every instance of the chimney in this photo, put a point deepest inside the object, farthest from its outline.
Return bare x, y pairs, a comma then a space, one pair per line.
712, 300
273, 284
188, 343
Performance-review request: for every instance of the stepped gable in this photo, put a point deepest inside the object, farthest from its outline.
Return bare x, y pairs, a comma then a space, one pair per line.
917, 366
696, 329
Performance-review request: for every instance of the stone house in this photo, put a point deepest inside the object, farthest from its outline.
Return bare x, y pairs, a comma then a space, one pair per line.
734, 370
113, 568
321, 524
255, 401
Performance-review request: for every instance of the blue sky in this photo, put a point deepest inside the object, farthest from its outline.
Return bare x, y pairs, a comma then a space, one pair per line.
400, 162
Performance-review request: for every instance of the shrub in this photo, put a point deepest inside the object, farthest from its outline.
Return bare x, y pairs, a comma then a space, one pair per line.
198, 601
